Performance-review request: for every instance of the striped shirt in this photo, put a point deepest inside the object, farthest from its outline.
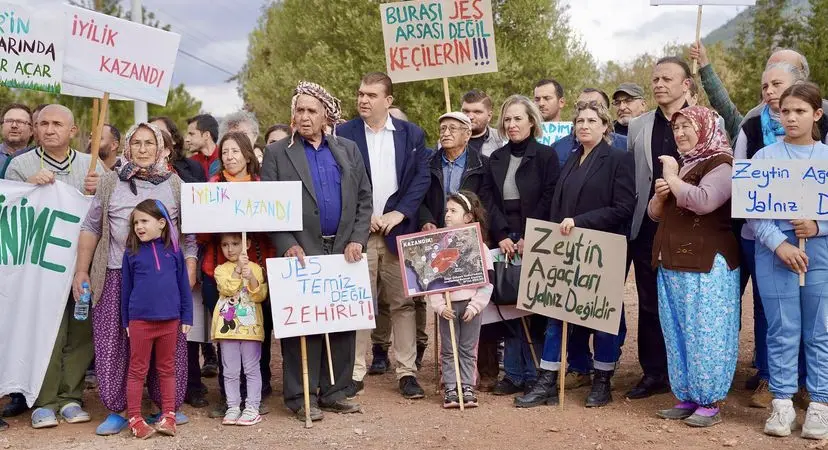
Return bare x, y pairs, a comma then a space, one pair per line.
72, 170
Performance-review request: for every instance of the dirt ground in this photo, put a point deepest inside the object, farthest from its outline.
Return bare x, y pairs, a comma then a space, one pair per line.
389, 421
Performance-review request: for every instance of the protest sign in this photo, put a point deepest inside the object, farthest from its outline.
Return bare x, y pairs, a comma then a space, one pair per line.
427, 39
39, 228
328, 295
80, 91
442, 260
31, 48
113, 55
554, 131
779, 189
703, 2
577, 278
237, 207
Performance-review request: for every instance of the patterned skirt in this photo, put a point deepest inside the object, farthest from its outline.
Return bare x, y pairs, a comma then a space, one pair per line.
699, 315
112, 352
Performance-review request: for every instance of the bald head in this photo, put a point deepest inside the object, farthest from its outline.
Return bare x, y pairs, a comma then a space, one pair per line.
55, 129
792, 57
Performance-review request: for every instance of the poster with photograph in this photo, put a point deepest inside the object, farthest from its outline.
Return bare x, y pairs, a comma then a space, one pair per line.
442, 260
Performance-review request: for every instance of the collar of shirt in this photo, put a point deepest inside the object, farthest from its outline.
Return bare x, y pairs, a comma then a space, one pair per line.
389, 125
309, 146
459, 161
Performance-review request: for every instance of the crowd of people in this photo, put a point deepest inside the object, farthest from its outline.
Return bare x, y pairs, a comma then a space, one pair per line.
658, 175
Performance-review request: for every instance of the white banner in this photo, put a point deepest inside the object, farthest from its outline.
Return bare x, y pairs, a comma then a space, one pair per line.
328, 295
31, 48
779, 189
237, 207
39, 228
704, 2
114, 55
427, 39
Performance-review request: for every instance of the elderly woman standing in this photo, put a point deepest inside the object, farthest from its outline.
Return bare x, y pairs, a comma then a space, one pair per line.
595, 191
144, 175
518, 185
697, 257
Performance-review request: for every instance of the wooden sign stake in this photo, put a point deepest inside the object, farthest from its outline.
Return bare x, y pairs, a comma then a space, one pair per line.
698, 38
97, 130
330, 359
562, 370
305, 383
446, 93
802, 274
529, 340
454, 353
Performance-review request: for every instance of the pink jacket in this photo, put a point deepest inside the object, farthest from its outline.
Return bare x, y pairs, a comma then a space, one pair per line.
478, 297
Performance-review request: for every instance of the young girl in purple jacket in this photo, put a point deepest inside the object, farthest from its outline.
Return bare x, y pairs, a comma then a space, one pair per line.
155, 303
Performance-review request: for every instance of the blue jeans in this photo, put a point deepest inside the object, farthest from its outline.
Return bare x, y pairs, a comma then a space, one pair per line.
796, 315
518, 365
760, 323
607, 346
578, 354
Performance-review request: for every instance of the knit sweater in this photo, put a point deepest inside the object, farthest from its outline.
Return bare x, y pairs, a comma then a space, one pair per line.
71, 171
155, 285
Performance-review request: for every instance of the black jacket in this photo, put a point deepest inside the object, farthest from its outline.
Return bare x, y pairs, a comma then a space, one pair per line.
536, 178
433, 208
606, 199
189, 171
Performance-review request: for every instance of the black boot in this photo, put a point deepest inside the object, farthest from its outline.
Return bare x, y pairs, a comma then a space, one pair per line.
380, 364
545, 391
601, 392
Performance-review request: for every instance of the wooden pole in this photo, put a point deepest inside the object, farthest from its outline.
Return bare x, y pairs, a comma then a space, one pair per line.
562, 370
97, 131
305, 383
96, 109
802, 274
437, 364
529, 340
446, 93
454, 354
698, 38
330, 359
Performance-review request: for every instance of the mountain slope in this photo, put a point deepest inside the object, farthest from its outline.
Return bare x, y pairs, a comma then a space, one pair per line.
727, 32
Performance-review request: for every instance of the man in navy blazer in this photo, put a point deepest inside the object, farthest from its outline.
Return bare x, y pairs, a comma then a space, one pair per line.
395, 157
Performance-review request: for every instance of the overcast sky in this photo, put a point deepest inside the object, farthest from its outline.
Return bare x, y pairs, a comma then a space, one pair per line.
214, 35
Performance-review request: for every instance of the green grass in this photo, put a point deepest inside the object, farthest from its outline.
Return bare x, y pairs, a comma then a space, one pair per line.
53, 88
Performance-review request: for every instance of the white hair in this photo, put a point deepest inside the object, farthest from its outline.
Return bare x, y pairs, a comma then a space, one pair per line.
237, 118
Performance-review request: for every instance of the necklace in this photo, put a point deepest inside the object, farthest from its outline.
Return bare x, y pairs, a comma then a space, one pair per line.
813, 145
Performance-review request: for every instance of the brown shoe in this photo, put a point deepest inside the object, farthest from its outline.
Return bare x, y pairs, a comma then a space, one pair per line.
487, 384
574, 380
802, 399
761, 397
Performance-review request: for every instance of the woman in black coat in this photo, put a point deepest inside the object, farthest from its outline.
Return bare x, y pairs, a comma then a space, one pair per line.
595, 191
519, 185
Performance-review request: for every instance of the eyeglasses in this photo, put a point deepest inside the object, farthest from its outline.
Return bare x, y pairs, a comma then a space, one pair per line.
623, 101
453, 129
136, 145
19, 123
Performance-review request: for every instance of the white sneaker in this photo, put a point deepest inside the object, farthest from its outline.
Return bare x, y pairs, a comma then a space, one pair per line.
231, 417
816, 422
782, 420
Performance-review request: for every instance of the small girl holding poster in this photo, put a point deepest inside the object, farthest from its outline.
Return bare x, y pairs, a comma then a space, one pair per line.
155, 303
462, 208
795, 312
238, 325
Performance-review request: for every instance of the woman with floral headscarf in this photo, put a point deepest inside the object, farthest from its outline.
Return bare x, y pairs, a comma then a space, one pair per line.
145, 175
697, 257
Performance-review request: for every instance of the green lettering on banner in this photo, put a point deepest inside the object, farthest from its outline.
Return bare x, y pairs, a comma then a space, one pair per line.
21, 232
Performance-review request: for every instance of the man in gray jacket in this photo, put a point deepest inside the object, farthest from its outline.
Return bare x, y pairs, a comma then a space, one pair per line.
478, 107
336, 217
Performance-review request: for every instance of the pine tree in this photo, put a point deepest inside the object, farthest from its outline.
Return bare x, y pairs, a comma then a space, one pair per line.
815, 47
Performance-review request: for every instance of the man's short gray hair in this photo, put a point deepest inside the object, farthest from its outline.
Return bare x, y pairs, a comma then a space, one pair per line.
237, 118
803, 61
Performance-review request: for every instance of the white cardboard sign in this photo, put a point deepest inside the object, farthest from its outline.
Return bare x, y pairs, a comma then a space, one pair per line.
780, 189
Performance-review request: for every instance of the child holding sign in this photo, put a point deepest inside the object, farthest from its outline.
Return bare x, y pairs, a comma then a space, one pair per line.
462, 208
795, 312
238, 325
155, 302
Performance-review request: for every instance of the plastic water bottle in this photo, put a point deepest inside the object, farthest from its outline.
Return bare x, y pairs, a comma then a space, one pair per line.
82, 305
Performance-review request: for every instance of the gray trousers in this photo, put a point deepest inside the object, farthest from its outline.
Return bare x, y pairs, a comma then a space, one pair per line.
467, 335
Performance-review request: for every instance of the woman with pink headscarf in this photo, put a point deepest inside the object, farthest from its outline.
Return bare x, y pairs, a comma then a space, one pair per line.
144, 175
697, 257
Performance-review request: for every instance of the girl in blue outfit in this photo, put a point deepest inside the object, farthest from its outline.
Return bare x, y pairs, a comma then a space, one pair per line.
795, 313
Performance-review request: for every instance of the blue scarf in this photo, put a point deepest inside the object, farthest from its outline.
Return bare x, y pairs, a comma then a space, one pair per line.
771, 128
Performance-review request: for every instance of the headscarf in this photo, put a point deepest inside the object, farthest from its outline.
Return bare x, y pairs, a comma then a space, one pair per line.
771, 126
712, 141
156, 173
333, 108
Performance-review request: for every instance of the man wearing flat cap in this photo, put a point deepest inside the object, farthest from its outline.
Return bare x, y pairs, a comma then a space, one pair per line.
336, 218
628, 103
452, 168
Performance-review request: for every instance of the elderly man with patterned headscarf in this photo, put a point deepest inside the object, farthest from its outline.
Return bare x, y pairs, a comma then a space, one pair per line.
336, 218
